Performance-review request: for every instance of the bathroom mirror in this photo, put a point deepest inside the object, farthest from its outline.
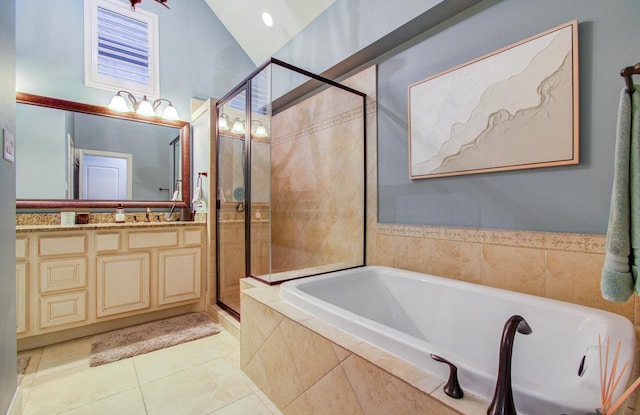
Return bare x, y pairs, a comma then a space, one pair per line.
74, 155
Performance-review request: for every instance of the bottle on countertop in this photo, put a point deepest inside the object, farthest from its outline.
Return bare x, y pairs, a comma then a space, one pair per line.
120, 217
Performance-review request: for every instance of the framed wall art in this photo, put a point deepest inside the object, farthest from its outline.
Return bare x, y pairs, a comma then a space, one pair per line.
515, 108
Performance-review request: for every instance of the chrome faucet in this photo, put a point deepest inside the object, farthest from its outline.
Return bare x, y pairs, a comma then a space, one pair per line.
502, 403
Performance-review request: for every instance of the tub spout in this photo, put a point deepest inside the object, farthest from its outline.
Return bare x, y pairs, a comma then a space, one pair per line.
502, 403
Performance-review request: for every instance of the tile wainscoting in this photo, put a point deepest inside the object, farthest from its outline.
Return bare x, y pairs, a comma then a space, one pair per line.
560, 266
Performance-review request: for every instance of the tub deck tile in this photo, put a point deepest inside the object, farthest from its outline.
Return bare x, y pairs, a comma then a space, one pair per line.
469, 405
414, 376
334, 334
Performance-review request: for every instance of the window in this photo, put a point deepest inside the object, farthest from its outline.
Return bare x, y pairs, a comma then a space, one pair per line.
121, 48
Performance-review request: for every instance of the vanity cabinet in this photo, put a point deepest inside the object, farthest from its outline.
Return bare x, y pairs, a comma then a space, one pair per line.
101, 275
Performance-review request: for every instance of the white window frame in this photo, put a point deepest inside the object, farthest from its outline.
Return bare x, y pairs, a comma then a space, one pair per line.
92, 78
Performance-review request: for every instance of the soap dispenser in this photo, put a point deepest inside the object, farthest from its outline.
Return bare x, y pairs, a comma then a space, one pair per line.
120, 214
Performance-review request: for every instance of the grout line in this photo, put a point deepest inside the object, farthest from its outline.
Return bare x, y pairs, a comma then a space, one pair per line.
144, 401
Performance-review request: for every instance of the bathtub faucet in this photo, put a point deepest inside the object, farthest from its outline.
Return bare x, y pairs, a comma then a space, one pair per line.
502, 403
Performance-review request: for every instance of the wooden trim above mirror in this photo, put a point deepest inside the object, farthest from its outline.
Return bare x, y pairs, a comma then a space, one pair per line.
185, 141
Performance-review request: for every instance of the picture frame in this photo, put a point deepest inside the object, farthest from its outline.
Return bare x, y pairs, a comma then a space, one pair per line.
515, 108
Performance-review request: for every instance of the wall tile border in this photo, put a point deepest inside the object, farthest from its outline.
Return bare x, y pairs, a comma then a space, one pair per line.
572, 242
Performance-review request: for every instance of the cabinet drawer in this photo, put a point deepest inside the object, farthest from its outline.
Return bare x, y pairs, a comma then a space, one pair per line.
62, 245
107, 242
192, 237
153, 239
56, 310
63, 274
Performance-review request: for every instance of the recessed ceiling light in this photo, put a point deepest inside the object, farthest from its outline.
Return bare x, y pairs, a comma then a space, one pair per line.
267, 18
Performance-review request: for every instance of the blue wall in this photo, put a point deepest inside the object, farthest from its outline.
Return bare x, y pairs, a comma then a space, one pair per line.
561, 199
198, 56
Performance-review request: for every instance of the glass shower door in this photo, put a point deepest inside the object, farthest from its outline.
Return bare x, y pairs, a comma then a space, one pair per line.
231, 202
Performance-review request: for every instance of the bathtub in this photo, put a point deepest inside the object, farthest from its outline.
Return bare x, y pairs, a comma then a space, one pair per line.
555, 369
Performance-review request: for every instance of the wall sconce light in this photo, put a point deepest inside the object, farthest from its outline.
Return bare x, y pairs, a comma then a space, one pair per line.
144, 107
170, 112
223, 122
238, 126
261, 130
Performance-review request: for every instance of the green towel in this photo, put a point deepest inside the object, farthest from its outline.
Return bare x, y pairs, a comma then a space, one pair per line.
620, 273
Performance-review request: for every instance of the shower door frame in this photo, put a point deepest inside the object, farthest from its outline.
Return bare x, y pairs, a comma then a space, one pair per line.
246, 85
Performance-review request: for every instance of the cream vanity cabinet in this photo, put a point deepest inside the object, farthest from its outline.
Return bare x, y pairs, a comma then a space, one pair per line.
69, 278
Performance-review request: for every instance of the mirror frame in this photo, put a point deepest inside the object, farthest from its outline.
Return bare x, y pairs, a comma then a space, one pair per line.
185, 152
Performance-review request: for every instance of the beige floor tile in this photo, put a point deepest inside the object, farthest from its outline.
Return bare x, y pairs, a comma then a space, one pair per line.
128, 402
30, 372
64, 390
73, 354
274, 409
158, 364
198, 390
199, 377
252, 404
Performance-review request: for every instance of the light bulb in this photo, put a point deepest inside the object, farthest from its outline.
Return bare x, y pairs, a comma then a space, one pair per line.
267, 18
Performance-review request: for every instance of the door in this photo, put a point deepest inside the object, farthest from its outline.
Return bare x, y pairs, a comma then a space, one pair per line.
105, 175
231, 202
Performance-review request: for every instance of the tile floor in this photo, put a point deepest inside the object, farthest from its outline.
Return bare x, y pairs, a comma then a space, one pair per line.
201, 377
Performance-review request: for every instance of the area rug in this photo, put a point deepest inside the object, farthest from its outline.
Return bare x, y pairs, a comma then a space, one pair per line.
144, 338
23, 362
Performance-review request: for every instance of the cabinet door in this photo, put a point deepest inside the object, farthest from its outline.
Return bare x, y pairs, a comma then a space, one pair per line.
179, 275
21, 298
122, 284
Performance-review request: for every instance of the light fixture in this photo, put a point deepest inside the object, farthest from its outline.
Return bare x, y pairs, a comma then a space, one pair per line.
118, 103
261, 130
170, 112
267, 18
238, 126
223, 122
144, 107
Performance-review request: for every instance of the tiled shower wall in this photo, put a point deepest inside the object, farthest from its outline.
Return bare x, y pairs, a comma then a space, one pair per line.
317, 175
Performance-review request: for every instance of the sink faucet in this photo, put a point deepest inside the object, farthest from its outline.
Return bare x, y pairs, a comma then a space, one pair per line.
502, 403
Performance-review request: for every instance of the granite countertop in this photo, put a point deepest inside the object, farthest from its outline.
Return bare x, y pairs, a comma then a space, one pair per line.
96, 226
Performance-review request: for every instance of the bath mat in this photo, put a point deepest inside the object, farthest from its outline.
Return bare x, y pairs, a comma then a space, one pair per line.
23, 362
144, 338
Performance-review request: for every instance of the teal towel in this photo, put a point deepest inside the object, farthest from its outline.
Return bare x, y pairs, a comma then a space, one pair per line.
620, 273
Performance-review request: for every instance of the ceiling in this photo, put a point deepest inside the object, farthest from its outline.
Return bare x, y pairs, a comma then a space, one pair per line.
243, 20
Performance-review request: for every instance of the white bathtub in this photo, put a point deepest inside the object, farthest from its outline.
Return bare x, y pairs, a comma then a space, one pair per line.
412, 315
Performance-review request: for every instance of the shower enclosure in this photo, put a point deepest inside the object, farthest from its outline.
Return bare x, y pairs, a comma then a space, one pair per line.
290, 179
